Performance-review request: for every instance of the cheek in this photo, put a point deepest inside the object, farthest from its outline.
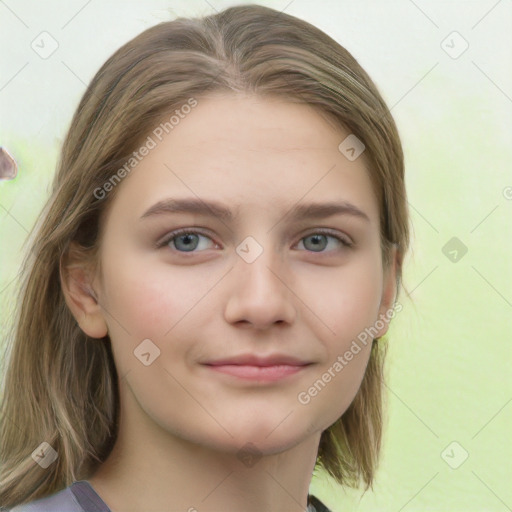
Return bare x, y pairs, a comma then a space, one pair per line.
335, 386
345, 303
344, 300
148, 297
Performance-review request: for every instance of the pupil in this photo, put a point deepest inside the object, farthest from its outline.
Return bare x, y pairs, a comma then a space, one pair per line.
187, 241
317, 241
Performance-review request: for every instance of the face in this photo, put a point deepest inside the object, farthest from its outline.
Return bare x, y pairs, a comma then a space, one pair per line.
257, 279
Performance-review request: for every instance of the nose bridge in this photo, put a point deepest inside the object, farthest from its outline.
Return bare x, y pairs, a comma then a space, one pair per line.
259, 262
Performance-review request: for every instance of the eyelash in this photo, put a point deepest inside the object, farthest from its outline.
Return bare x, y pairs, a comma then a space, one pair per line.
321, 231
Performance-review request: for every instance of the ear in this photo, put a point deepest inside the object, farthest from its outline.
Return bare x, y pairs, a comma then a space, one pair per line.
76, 282
389, 291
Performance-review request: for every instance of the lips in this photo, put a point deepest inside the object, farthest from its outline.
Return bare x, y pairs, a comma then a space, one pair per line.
262, 361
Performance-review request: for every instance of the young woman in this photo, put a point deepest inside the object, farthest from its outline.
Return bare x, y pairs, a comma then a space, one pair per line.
200, 322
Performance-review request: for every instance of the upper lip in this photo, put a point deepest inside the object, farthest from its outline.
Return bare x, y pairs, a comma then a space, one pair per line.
254, 360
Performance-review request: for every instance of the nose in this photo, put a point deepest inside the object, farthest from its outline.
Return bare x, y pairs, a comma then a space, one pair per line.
260, 293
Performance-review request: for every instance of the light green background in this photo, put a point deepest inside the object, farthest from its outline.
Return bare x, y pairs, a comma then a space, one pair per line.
450, 349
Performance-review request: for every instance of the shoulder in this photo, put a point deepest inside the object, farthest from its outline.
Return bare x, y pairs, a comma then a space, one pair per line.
62, 501
78, 497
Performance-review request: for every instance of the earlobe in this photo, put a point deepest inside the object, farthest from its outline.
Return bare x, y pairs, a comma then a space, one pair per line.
80, 297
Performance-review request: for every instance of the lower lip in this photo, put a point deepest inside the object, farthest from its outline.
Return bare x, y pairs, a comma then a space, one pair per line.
258, 373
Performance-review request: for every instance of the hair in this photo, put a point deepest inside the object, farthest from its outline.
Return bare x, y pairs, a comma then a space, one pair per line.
60, 386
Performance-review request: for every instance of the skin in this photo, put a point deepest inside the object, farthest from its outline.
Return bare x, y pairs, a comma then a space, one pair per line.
182, 424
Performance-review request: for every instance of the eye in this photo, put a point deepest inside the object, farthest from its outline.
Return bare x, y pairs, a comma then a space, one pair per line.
188, 240
184, 240
318, 240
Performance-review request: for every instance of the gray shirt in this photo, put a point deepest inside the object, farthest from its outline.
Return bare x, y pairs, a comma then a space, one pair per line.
81, 497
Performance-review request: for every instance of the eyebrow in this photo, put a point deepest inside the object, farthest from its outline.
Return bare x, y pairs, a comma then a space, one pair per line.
214, 208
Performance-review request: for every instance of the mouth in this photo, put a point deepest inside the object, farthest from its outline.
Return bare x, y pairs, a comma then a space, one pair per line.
258, 373
262, 369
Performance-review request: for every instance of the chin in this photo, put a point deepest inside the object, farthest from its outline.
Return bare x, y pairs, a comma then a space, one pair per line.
261, 440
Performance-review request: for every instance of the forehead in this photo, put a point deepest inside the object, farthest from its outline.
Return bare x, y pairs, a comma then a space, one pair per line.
251, 150
253, 121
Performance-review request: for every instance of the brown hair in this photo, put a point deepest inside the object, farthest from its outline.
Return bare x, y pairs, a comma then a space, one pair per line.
60, 386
